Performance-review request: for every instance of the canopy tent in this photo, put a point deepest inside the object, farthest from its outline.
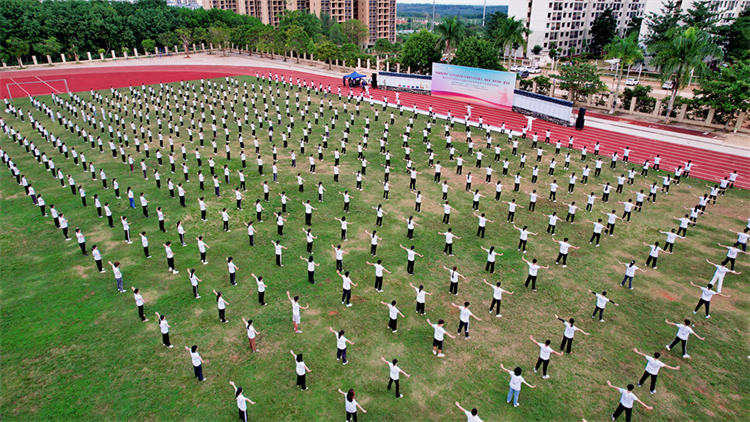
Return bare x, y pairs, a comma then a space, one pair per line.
354, 75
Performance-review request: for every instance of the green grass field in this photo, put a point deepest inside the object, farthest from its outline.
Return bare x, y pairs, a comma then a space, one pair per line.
74, 349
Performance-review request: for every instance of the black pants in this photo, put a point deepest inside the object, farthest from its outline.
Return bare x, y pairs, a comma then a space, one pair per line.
140, 313
679, 340
378, 282
222, 315
564, 258
146, 253
495, 302
702, 302
651, 259
619, 410
420, 308
311, 277
232, 277
170, 264
522, 245
596, 236
351, 416
730, 260
531, 279
83, 248
390, 382
448, 248
308, 219
410, 267
490, 266
463, 326
251, 239
198, 372
653, 380
165, 339
346, 296
99, 265
543, 363
301, 382
566, 342
600, 311
511, 216
453, 288
480, 232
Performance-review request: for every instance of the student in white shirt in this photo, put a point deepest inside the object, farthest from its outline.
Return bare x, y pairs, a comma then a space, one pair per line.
252, 333
421, 293
482, 224
164, 328
671, 237
683, 332
202, 247
653, 254
437, 338
544, 355
139, 303
652, 369
472, 415
97, 258
394, 372
350, 405
118, 275
491, 257
515, 384
705, 299
300, 369
379, 269
523, 237
393, 314
341, 343
533, 271
497, 296
197, 362
410, 257
570, 331
295, 311
241, 401
626, 402
278, 250
718, 277
222, 306
601, 302
311, 264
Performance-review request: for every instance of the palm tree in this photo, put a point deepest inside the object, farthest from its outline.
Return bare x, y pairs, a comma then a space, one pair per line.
510, 33
684, 51
628, 52
450, 31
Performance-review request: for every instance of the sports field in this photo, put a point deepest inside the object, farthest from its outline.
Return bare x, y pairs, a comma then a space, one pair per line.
73, 348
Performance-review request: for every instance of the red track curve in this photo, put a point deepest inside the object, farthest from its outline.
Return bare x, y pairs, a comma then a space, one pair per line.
708, 165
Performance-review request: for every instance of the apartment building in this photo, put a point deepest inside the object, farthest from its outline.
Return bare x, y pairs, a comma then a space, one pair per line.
378, 15
380, 18
566, 24
727, 10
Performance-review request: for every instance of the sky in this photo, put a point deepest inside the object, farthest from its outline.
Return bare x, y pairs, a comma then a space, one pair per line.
472, 2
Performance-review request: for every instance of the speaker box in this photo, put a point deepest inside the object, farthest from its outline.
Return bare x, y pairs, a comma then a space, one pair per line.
581, 118
374, 83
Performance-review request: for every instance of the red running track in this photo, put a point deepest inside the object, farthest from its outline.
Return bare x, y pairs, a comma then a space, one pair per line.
708, 165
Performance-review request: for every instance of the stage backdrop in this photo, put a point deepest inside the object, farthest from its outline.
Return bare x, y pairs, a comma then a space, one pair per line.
491, 88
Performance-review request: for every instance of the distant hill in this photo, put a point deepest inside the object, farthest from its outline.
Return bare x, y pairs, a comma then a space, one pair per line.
423, 9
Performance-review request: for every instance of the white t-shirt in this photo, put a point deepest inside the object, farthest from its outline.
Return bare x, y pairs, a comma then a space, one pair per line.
464, 314
653, 365
601, 301
564, 246
220, 303
707, 294
341, 342
544, 351
241, 403
394, 371
378, 270
471, 418
439, 332
138, 299
533, 269
300, 368
392, 312
570, 330
654, 251
516, 381
630, 270
627, 398
420, 295
163, 326
195, 358
351, 406
683, 331
347, 282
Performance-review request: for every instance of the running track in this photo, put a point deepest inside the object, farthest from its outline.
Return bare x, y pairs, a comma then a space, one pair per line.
708, 165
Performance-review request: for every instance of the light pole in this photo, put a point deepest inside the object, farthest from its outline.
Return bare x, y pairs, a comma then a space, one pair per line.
484, 11
432, 27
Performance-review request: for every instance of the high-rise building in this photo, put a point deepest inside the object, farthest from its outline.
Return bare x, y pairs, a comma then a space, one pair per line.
566, 24
338, 10
380, 18
726, 10
378, 15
